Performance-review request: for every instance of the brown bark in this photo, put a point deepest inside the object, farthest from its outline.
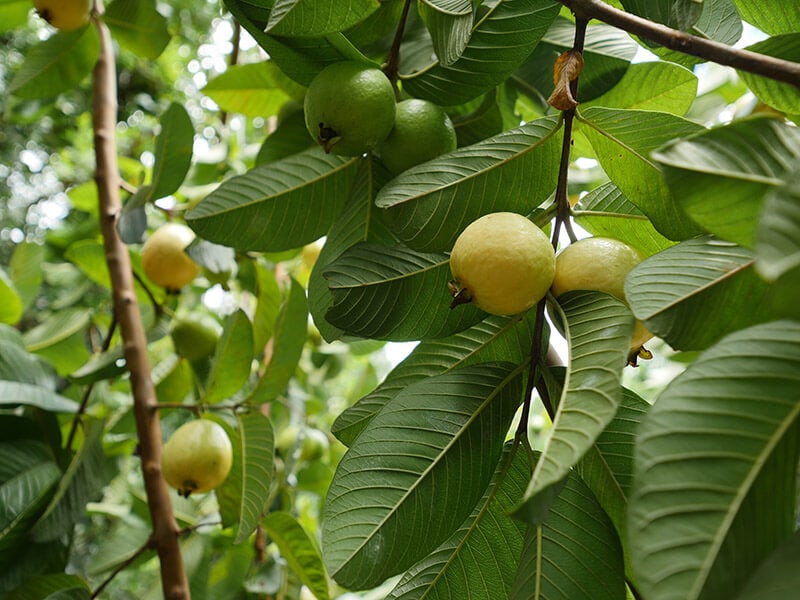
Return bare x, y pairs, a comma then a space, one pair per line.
165, 529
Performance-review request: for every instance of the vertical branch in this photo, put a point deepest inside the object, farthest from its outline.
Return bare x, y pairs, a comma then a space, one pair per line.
126, 310
393, 60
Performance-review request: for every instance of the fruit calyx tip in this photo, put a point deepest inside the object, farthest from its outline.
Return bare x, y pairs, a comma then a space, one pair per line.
460, 295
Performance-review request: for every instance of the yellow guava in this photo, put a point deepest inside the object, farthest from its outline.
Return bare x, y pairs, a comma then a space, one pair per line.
599, 264
65, 15
422, 131
349, 108
503, 263
164, 260
197, 458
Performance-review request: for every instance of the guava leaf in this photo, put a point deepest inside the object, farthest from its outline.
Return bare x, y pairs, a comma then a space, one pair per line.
268, 305
10, 301
678, 14
480, 559
598, 328
173, 151
304, 18
298, 550
230, 367
694, 293
14, 393
715, 466
720, 177
276, 206
780, 95
505, 339
358, 222
394, 293
778, 577
251, 89
25, 271
500, 41
606, 212
18, 365
385, 492
137, 26
450, 24
430, 204
574, 554
622, 141
778, 233
770, 16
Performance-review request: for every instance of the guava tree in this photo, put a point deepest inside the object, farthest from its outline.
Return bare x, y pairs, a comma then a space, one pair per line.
641, 122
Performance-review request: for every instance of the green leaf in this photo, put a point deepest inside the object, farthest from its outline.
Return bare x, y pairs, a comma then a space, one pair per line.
784, 97
22, 454
56, 586
394, 293
606, 212
658, 86
276, 206
678, 14
500, 41
173, 152
83, 481
268, 306
778, 577
304, 18
771, 16
18, 365
56, 65
696, 292
138, 27
230, 367
430, 204
251, 89
290, 137
719, 177
622, 141
384, 510
598, 328
299, 551
291, 331
501, 339
574, 554
480, 559
450, 24
778, 232
22, 498
10, 301
14, 393
715, 467
606, 57
13, 14
56, 328
25, 271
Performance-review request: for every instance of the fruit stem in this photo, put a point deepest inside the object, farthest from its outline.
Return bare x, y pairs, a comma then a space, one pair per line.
393, 59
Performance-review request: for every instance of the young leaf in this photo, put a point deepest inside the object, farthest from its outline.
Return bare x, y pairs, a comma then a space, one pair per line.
384, 510
730, 167
298, 550
715, 467
430, 204
574, 554
598, 328
276, 206
394, 293
230, 367
480, 559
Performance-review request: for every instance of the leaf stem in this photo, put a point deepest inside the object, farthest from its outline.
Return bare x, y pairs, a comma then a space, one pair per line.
392, 67
744, 60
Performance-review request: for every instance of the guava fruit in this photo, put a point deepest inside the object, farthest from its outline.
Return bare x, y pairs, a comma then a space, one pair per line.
65, 15
349, 108
197, 458
164, 259
194, 337
422, 131
503, 263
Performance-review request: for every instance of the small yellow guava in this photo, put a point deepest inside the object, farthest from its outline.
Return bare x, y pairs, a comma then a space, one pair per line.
503, 263
65, 15
197, 458
599, 264
164, 259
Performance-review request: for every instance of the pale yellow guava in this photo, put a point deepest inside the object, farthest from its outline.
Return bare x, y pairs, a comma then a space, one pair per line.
197, 458
503, 263
164, 259
65, 15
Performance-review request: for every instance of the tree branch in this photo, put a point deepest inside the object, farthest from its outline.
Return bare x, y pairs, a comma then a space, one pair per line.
104, 119
745, 60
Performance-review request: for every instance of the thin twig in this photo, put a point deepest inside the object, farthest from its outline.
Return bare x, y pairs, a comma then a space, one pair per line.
744, 60
233, 60
392, 67
148, 545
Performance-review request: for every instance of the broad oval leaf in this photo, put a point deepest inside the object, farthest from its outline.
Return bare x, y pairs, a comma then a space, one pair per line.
678, 14
384, 509
14, 393
719, 177
304, 18
780, 95
430, 204
622, 141
771, 16
598, 328
778, 577
276, 206
173, 152
504, 339
450, 24
500, 41
715, 467
251, 89
778, 233
694, 293
394, 293
230, 367
480, 559
138, 26
298, 550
